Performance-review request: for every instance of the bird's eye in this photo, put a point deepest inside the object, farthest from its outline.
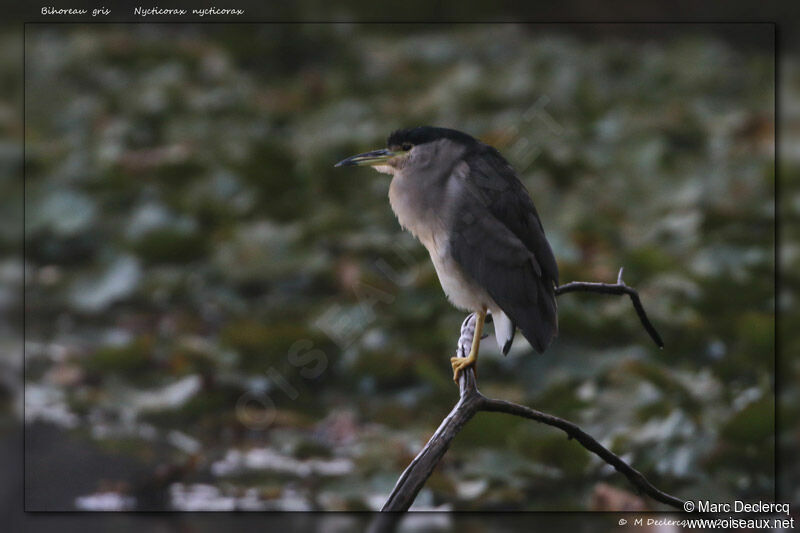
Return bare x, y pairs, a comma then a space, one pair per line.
407, 146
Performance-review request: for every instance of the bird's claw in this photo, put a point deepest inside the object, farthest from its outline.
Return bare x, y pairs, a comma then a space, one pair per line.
460, 364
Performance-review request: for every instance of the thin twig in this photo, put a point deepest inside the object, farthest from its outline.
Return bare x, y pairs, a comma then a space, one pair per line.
618, 288
472, 401
588, 442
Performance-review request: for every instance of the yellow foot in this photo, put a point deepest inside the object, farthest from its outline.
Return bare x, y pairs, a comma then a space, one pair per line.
460, 364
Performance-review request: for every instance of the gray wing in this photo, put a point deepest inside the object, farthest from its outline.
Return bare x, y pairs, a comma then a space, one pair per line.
498, 240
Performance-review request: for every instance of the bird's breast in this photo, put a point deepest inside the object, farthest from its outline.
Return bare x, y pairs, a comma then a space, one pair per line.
414, 210
425, 218
460, 289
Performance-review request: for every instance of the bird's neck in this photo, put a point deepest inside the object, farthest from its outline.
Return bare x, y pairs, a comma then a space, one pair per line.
413, 207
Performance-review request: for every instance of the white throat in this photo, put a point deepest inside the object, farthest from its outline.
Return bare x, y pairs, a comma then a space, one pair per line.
386, 169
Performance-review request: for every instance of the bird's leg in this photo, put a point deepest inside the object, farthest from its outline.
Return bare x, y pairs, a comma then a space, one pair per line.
462, 363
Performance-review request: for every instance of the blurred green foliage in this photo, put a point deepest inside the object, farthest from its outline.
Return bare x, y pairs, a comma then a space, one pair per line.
186, 229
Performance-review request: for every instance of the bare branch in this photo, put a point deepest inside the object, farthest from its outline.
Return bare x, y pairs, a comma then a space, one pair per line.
588, 442
471, 401
618, 288
420, 469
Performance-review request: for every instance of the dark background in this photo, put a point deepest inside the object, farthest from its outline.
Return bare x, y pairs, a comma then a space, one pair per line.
187, 234
589, 343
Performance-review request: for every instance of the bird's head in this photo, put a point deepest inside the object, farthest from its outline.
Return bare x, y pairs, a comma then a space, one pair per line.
405, 146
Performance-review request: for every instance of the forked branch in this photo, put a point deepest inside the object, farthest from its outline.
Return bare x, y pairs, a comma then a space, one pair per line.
615, 288
472, 401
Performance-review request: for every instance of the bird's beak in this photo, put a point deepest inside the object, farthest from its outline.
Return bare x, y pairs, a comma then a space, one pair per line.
376, 157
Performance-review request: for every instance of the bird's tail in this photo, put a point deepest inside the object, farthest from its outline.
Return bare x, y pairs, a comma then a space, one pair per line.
504, 330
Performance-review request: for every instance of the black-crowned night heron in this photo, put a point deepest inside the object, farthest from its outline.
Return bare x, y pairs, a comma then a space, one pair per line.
465, 203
